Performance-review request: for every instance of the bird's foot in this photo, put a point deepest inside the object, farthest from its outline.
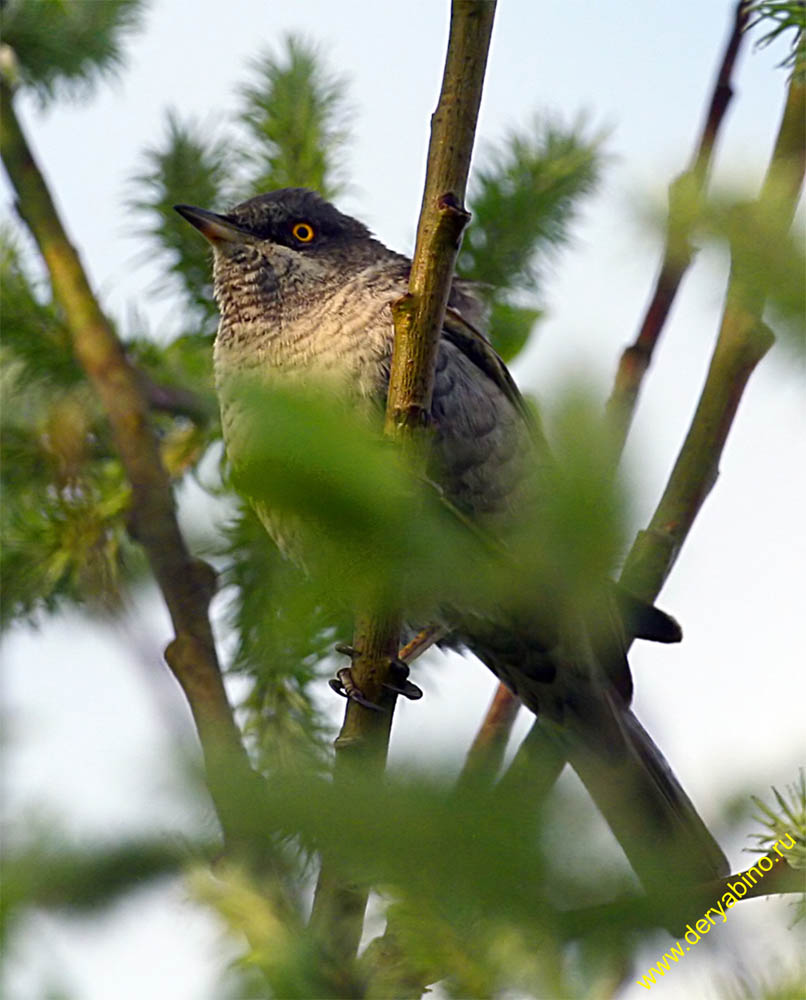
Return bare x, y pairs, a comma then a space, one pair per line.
344, 685
398, 682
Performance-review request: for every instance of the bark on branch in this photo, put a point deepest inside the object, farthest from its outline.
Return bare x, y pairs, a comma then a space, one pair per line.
418, 316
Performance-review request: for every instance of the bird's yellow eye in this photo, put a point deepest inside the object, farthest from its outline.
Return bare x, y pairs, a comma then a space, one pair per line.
302, 231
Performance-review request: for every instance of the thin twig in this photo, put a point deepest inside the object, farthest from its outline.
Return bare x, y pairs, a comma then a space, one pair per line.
743, 341
174, 400
418, 316
486, 753
186, 584
636, 358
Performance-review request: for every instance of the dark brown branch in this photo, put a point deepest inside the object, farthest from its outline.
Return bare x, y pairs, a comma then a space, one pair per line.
486, 753
186, 584
338, 909
637, 357
173, 400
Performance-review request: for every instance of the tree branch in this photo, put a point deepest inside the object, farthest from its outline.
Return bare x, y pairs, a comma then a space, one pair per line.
635, 360
186, 584
743, 341
486, 753
420, 314
637, 357
677, 905
173, 399
418, 318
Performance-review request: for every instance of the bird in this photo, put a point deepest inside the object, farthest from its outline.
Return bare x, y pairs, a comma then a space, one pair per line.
304, 293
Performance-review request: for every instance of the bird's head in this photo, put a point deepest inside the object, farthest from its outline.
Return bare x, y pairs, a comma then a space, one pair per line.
287, 237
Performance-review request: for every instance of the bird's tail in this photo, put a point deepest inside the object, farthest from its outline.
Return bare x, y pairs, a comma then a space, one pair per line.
579, 686
660, 831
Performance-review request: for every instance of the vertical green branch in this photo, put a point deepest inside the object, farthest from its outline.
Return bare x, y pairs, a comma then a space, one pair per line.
419, 316
418, 321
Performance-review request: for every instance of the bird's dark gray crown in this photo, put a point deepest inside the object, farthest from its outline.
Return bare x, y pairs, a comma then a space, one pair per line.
273, 217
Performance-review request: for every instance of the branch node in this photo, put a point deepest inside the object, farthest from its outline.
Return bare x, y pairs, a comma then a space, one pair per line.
183, 652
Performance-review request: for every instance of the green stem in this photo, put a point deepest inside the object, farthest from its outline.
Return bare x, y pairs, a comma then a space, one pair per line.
363, 741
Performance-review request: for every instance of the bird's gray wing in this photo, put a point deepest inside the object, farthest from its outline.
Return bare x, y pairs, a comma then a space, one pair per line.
572, 673
477, 349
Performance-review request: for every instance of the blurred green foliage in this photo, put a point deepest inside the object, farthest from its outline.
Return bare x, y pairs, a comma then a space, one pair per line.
523, 200
190, 164
463, 874
67, 48
285, 628
779, 17
296, 117
63, 496
767, 268
53, 873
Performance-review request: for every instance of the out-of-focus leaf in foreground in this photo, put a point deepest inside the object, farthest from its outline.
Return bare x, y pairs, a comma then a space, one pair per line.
344, 501
464, 882
348, 506
51, 873
768, 255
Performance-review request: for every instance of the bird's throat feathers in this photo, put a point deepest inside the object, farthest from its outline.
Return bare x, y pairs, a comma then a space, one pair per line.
285, 313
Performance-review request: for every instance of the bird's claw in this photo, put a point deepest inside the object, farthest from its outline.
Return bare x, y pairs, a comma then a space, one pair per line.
398, 682
344, 685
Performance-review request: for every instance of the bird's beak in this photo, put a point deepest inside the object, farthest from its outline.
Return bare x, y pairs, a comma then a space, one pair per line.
215, 228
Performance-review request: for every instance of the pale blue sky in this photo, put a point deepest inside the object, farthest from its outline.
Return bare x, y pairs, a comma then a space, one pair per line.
726, 706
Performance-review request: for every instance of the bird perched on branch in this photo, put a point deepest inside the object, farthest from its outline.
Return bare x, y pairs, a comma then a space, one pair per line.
305, 292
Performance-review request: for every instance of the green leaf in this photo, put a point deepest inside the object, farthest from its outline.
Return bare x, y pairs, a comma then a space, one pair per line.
510, 327
782, 16
295, 112
345, 503
768, 254
285, 628
189, 165
68, 47
523, 201
33, 331
53, 874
